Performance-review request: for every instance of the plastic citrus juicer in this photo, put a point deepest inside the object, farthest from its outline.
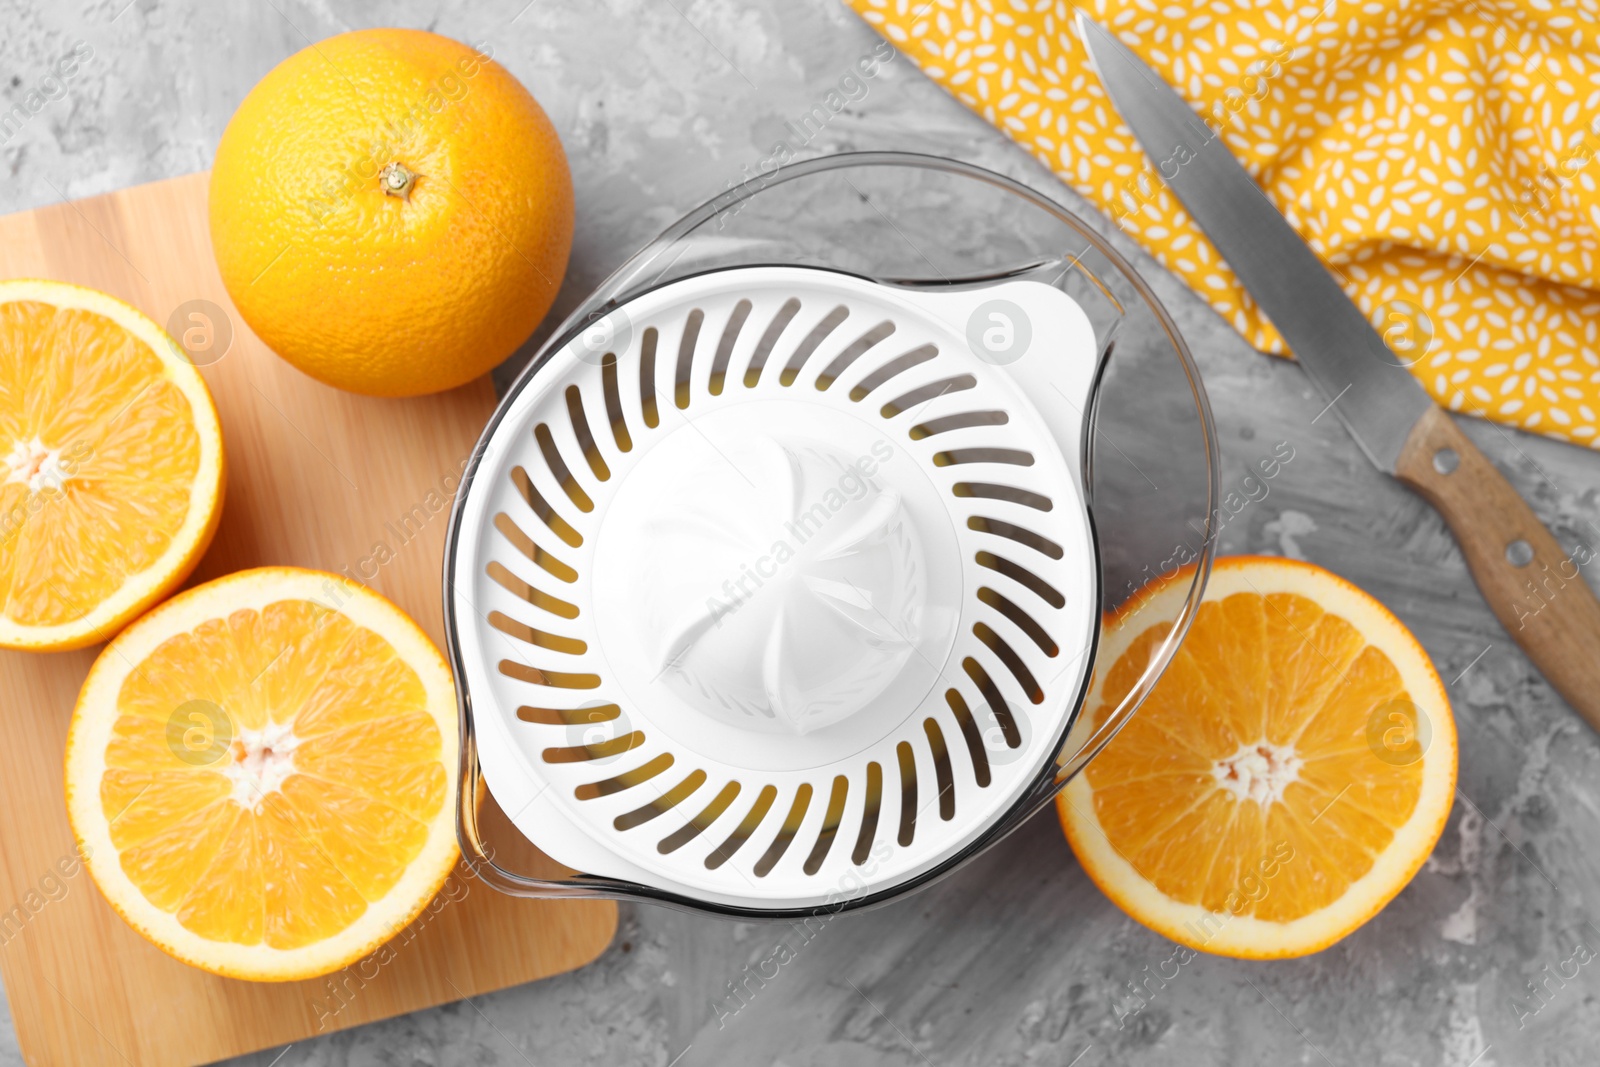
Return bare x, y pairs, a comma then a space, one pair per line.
778, 575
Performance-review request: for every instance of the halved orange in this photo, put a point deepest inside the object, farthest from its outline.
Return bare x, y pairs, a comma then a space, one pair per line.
260, 773
112, 482
1287, 776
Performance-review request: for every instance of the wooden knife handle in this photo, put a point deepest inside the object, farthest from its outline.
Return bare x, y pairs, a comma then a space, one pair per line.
1536, 590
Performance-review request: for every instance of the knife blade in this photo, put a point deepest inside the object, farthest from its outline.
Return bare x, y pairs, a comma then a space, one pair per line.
1535, 589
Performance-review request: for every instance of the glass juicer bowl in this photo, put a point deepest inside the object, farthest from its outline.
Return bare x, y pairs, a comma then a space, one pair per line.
896, 230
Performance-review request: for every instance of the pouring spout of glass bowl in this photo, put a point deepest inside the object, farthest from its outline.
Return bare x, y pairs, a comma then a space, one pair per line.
1049, 270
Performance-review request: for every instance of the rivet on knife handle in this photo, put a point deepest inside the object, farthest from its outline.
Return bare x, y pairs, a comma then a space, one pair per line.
1535, 589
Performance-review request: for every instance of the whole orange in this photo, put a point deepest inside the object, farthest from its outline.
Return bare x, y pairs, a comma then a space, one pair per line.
391, 211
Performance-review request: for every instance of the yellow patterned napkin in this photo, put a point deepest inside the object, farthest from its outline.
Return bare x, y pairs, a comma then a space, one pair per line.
1438, 156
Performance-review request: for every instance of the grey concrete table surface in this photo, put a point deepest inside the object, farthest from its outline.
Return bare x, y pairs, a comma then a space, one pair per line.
1017, 959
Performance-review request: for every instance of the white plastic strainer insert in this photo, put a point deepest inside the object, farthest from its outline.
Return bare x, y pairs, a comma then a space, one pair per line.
771, 592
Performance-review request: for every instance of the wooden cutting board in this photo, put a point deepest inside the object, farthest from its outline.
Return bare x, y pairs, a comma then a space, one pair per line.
316, 477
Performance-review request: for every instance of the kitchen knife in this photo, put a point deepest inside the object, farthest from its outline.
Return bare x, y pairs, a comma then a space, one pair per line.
1535, 589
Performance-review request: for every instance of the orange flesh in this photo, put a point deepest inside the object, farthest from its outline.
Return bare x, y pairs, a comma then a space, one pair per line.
1269, 673
102, 453
241, 857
